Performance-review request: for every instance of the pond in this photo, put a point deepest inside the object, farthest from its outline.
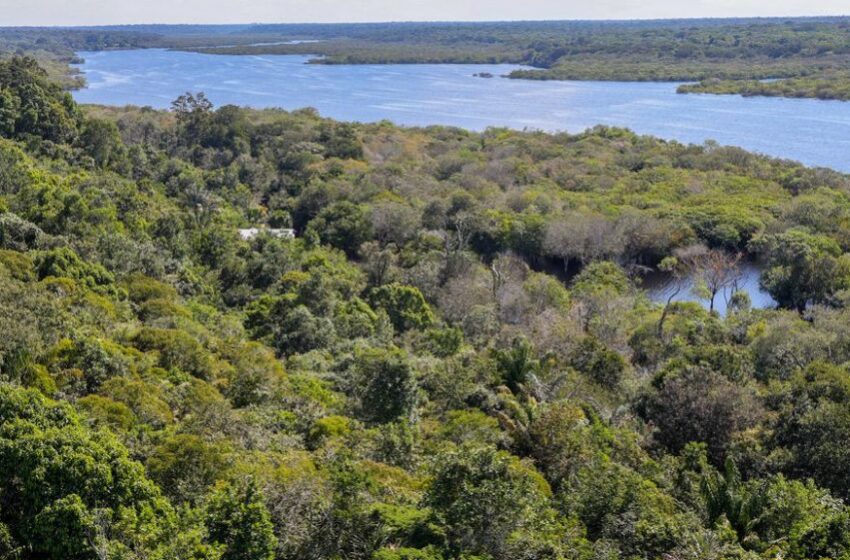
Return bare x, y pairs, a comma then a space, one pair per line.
660, 286
814, 132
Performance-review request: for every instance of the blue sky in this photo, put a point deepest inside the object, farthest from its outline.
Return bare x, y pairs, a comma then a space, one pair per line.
90, 12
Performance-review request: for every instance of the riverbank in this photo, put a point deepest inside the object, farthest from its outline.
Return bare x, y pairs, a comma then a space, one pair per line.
834, 86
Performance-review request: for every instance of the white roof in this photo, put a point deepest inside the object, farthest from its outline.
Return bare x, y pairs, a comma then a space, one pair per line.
251, 233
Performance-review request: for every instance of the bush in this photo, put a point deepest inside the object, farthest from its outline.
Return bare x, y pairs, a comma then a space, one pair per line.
385, 385
405, 305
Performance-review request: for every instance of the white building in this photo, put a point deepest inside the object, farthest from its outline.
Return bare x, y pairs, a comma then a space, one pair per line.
251, 233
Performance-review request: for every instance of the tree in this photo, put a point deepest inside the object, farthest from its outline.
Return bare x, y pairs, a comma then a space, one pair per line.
813, 423
394, 222
64, 262
560, 441
342, 225
70, 492
517, 365
792, 516
602, 364
719, 271
802, 268
194, 113
405, 305
102, 141
341, 141
485, 498
581, 237
185, 466
601, 294
298, 330
696, 405
236, 516
385, 385
191, 103
711, 270
31, 104
97, 360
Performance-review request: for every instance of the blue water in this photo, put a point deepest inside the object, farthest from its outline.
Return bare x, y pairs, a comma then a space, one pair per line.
814, 132
660, 287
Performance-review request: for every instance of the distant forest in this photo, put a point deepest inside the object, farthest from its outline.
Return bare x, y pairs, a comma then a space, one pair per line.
802, 57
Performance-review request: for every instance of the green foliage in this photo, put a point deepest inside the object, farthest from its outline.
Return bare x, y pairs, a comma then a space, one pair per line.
485, 498
385, 384
237, 518
517, 365
341, 141
831, 85
405, 305
31, 104
355, 319
727, 56
444, 342
294, 329
102, 141
697, 405
724, 226
407, 554
19, 265
604, 277
141, 288
256, 378
813, 419
342, 225
185, 466
615, 502
115, 415
97, 360
65, 263
327, 428
803, 268
604, 366
175, 349
423, 386
67, 489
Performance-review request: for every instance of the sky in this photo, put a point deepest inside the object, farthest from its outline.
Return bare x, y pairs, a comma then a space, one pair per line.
98, 12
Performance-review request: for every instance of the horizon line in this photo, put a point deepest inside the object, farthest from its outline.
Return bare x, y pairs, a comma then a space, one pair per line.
431, 21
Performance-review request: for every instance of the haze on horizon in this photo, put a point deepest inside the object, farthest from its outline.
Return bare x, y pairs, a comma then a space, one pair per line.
106, 12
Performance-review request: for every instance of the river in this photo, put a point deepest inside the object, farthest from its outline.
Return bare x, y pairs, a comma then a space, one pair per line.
814, 132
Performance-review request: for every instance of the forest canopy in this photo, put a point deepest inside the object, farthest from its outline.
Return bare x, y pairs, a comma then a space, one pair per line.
454, 358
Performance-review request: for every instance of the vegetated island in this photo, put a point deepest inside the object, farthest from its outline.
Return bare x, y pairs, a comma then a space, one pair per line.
833, 85
802, 57
237, 334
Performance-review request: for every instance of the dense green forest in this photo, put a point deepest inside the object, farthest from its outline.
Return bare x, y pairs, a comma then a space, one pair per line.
808, 57
410, 378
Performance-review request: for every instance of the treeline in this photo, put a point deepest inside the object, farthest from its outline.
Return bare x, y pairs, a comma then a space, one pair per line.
55, 49
737, 51
402, 381
808, 55
829, 86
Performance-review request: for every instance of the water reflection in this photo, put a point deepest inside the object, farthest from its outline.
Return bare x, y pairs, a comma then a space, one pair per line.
660, 286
